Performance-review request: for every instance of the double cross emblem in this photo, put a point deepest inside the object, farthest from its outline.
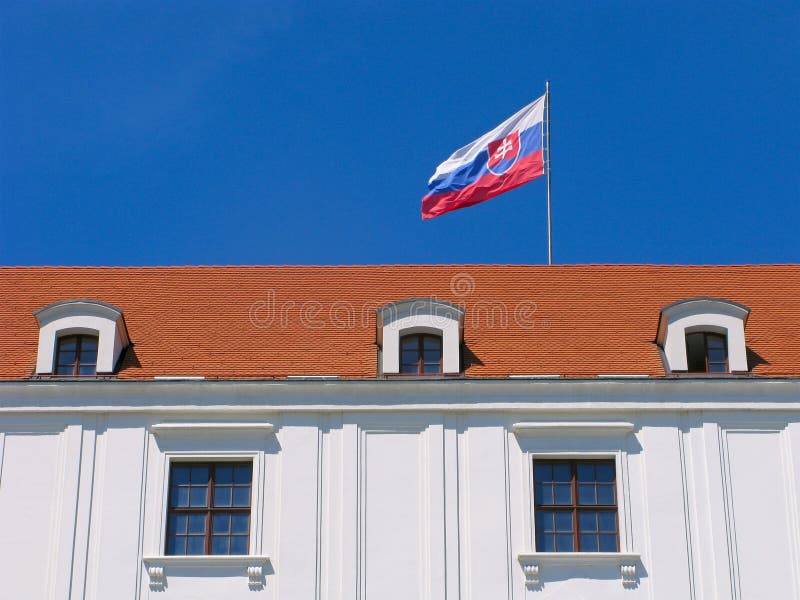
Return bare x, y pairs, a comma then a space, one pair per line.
506, 147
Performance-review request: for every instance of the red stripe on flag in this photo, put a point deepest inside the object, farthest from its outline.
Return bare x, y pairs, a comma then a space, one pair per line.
488, 186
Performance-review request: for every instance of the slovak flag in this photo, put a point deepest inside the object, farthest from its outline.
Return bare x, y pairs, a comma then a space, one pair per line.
498, 161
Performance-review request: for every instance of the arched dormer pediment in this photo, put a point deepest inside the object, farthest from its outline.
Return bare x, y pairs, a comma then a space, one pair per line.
81, 317
420, 316
716, 316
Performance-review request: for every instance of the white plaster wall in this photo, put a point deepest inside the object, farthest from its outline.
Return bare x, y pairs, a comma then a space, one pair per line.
405, 502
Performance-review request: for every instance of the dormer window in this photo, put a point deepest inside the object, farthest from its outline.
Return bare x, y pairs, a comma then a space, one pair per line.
420, 354
76, 355
703, 335
80, 338
706, 353
420, 336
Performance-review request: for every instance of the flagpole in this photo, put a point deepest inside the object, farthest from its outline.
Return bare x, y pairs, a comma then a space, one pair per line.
549, 226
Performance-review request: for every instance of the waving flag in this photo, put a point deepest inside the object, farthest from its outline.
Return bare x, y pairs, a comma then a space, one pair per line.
498, 161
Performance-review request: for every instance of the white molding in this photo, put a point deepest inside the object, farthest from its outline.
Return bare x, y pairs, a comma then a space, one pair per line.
623, 376
211, 428
81, 316
542, 428
420, 315
702, 314
252, 567
533, 562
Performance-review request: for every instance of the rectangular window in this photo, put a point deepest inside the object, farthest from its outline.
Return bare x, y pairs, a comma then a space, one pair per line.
575, 504
209, 508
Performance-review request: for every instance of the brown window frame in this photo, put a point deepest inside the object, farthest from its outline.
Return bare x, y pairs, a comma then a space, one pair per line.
574, 507
77, 364
420, 372
706, 335
209, 510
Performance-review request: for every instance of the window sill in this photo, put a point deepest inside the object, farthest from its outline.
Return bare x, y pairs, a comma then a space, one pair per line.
253, 566
532, 563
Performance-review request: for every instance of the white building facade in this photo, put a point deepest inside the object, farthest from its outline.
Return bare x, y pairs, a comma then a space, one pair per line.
433, 486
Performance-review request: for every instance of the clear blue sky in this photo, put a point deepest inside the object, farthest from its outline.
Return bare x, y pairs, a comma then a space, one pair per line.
138, 133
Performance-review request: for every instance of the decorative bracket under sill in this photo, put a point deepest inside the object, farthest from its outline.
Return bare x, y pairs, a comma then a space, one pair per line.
252, 566
532, 563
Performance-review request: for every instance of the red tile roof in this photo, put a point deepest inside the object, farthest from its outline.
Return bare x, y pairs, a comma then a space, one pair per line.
264, 322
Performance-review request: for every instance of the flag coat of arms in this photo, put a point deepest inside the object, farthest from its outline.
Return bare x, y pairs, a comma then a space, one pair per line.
500, 160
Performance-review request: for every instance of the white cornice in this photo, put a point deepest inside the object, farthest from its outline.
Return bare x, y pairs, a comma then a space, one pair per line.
544, 428
166, 429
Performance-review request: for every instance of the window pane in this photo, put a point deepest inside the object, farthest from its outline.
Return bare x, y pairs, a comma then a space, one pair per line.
564, 543
239, 544
180, 496
243, 474
605, 472
715, 342
608, 543
717, 368
431, 356
87, 370
410, 357
176, 524
544, 493
88, 355
88, 344
544, 521
564, 521
197, 496
543, 472
66, 357
199, 474
67, 343
176, 545
431, 343
585, 472
434, 368
607, 521
562, 472
222, 524
240, 523
696, 352
180, 474
223, 474
716, 355
220, 544
65, 369
410, 343
409, 369
587, 521
588, 543
586, 494
222, 496
563, 493
605, 493
195, 545
545, 543
197, 523
241, 496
